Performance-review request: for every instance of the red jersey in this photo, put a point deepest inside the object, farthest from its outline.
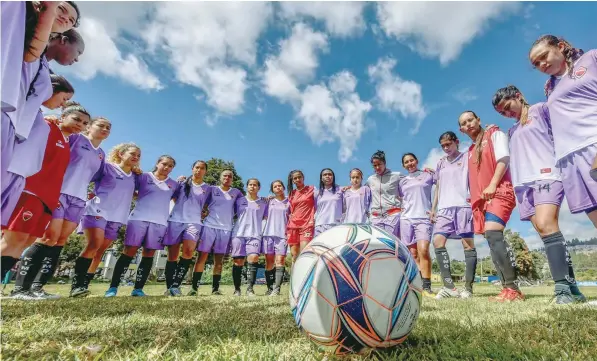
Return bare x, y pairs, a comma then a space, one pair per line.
46, 183
302, 207
480, 177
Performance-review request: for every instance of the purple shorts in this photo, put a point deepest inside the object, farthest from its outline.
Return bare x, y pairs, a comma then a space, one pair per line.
454, 221
214, 239
274, 245
11, 194
70, 208
413, 230
579, 187
322, 228
389, 223
539, 192
243, 246
178, 231
8, 145
147, 234
110, 228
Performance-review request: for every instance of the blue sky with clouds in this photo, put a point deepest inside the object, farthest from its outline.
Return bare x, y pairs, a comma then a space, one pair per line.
280, 86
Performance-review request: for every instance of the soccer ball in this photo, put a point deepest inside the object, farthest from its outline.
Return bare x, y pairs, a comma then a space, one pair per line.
355, 287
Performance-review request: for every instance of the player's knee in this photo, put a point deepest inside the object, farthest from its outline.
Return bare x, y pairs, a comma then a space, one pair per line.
546, 226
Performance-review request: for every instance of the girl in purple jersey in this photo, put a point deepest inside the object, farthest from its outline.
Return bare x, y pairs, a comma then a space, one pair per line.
452, 215
86, 162
106, 211
147, 224
247, 234
572, 99
415, 226
537, 183
357, 199
184, 226
328, 202
216, 232
274, 244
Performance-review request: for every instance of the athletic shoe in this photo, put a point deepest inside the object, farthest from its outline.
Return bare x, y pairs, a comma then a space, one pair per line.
509, 295
175, 292
217, 293
137, 292
562, 295
43, 295
167, 292
447, 293
23, 296
275, 292
427, 292
192, 292
500, 296
79, 292
268, 292
578, 296
466, 293
111, 292
236, 293
250, 292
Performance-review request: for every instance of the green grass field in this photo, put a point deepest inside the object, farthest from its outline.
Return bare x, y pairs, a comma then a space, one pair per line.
262, 328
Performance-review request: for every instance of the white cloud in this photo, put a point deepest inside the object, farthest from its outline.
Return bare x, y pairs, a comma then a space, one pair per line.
440, 29
334, 112
341, 18
295, 65
103, 56
465, 95
395, 94
210, 45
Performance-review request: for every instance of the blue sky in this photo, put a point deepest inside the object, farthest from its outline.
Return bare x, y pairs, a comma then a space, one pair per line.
275, 87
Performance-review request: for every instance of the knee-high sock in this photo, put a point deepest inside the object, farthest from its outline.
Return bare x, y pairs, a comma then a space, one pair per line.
555, 248
252, 274
143, 272
279, 276
443, 260
81, 266
48, 267
236, 276
196, 280
122, 265
215, 282
504, 257
169, 272
31, 263
8, 263
470, 258
181, 270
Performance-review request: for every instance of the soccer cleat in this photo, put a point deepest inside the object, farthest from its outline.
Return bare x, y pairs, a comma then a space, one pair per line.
562, 295
236, 293
217, 293
447, 293
466, 294
500, 296
275, 292
427, 292
111, 292
137, 292
41, 294
250, 292
79, 292
175, 292
23, 296
268, 292
192, 292
511, 295
578, 296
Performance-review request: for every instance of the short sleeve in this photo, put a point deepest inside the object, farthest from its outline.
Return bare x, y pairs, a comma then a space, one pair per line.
13, 39
500, 145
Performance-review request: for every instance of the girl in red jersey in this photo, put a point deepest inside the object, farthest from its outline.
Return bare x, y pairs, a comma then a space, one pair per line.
40, 197
300, 227
492, 196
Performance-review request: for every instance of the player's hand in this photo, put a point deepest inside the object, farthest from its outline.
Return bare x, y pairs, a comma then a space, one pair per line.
345, 188
489, 192
428, 170
181, 178
49, 5
431, 215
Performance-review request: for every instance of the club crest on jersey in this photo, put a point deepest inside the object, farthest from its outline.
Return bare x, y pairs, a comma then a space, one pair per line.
580, 72
545, 170
59, 144
97, 218
101, 156
27, 215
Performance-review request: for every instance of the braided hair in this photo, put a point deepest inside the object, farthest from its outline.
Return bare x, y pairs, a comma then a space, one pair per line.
511, 92
571, 54
478, 140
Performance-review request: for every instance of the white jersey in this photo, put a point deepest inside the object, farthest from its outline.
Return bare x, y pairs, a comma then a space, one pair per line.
452, 179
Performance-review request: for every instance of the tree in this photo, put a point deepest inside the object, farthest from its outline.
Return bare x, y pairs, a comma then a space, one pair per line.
215, 166
524, 259
73, 247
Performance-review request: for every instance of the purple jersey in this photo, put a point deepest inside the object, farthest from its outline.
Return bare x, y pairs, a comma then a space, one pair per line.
11, 58
221, 206
28, 155
277, 218
532, 155
189, 209
29, 105
153, 199
113, 195
573, 107
86, 162
452, 179
328, 206
415, 190
250, 215
356, 205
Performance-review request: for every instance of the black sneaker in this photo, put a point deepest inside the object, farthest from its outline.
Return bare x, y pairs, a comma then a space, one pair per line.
236, 293
23, 296
79, 292
250, 292
217, 293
